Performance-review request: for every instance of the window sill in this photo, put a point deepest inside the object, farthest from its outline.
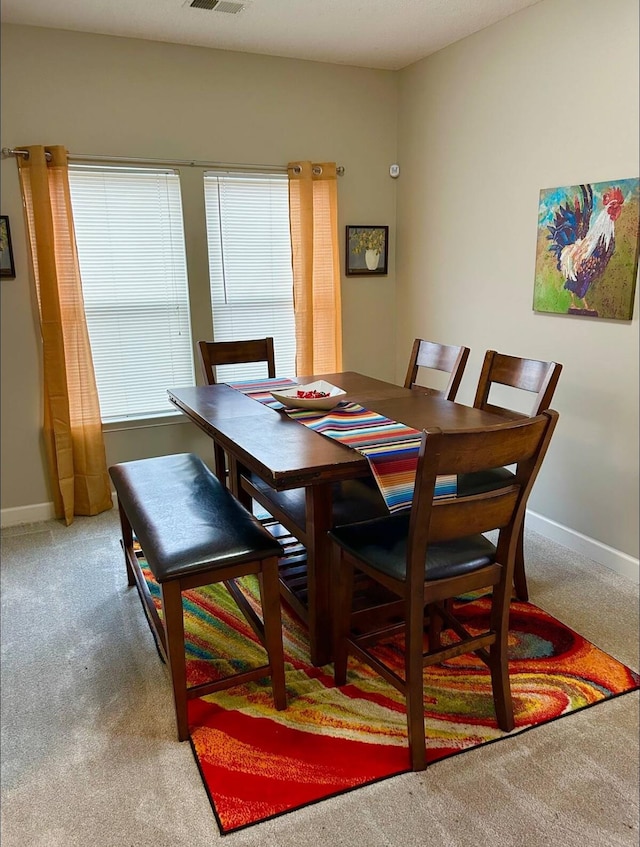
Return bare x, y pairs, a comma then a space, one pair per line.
164, 419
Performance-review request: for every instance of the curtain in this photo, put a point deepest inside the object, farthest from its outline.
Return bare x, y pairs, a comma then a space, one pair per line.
313, 205
72, 426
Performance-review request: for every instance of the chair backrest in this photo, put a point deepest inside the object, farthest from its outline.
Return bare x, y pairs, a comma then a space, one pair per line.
540, 378
213, 353
522, 443
439, 357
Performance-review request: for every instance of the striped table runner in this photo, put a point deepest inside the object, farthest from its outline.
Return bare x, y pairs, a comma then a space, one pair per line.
391, 448
260, 389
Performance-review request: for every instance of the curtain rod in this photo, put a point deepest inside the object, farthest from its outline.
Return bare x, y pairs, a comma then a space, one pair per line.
131, 160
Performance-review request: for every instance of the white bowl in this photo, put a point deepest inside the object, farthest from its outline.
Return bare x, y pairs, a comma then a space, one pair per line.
289, 396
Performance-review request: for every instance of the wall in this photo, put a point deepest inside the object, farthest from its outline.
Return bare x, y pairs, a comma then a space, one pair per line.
124, 97
547, 97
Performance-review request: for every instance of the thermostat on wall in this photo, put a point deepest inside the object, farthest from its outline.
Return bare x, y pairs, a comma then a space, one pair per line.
394, 171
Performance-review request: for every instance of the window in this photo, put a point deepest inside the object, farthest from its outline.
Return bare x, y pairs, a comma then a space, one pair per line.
250, 265
130, 241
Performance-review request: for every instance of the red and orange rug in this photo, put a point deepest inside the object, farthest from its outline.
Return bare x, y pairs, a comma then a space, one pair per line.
257, 763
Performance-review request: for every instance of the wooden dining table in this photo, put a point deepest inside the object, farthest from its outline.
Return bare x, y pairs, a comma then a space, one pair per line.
284, 465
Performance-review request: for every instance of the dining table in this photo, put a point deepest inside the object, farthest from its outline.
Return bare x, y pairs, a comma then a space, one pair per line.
280, 463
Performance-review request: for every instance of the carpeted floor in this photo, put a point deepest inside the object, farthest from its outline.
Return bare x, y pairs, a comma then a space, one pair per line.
89, 755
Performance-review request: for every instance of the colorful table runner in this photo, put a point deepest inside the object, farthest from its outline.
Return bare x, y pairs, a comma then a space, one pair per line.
260, 389
391, 448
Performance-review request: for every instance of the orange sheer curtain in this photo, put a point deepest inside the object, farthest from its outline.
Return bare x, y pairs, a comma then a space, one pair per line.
313, 205
72, 425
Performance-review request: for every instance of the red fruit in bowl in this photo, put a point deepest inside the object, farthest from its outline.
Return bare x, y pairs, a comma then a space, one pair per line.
312, 395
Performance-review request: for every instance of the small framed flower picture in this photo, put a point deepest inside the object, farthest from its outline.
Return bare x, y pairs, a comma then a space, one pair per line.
367, 249
7, 269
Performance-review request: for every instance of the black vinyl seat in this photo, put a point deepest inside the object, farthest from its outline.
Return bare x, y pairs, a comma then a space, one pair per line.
193, 532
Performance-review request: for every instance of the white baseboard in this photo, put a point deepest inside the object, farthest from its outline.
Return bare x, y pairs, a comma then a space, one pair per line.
33, 514
616, 560
27, 514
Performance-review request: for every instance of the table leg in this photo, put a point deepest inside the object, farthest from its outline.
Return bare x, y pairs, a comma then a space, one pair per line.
236, 470
318, 513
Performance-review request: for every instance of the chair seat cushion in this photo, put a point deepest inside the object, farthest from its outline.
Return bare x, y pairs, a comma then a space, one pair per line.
353, 500
382, 544
185, 520
481, 481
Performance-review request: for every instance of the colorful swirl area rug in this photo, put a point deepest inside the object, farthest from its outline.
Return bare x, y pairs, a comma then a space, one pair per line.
257, 763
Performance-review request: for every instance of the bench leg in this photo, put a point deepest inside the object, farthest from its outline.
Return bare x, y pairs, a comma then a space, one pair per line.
271, 613
127, 543
174, 631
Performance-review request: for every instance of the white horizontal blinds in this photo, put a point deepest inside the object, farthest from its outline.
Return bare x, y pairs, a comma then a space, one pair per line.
250, 266
130, 241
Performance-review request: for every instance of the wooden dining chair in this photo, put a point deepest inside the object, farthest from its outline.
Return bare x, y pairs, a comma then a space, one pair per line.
214, 353
527, 375
436, 552
439, 357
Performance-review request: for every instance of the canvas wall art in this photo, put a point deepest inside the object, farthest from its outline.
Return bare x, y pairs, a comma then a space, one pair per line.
7, 268
587, 249
367, 249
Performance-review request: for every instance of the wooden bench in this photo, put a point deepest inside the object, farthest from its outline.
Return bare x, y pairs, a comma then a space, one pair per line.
194, 532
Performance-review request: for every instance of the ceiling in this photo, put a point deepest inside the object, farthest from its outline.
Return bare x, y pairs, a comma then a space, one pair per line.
386, 34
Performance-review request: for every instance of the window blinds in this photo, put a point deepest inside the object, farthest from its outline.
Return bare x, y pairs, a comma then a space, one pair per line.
250, 266
130, 241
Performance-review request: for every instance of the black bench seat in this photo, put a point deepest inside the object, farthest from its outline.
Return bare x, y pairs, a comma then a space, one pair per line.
193, 532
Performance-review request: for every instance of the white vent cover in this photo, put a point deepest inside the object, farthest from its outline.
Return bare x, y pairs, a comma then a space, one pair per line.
230, 6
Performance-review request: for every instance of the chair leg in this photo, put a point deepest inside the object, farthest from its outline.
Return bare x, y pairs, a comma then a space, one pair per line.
414, 690
499, 660
519, 577
343, 599
174, 632
270, 598
435, 626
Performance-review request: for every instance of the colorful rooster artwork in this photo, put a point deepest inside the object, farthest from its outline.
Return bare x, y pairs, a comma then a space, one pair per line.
587, 256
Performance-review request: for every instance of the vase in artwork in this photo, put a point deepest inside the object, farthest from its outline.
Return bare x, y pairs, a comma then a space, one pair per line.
371, 258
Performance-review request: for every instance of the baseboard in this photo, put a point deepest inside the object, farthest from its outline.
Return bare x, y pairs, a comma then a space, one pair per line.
27, 514
616, 560
32, 514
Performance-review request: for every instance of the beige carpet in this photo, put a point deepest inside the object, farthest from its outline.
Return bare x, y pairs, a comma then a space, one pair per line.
89, 756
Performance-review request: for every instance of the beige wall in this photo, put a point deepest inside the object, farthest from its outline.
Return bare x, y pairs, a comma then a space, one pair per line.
547, 97
124, 97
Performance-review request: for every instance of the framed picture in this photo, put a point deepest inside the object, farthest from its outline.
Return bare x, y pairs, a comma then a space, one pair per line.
7, 269
587, 249
367, 249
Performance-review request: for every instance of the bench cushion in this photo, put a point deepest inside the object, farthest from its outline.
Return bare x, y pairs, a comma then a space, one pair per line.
185, 520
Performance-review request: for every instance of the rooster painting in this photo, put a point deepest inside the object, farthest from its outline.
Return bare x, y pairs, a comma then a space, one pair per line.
578, 230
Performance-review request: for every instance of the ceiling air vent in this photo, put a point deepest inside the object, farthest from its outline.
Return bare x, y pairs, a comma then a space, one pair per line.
218, 6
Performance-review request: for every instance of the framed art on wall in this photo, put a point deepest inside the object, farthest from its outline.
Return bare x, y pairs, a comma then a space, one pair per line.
7, 268
367, 250
587, 250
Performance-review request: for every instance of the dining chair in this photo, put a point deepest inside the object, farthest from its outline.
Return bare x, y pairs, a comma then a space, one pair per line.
434, 552
439, 357
530, 375
527, 375
214, 353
